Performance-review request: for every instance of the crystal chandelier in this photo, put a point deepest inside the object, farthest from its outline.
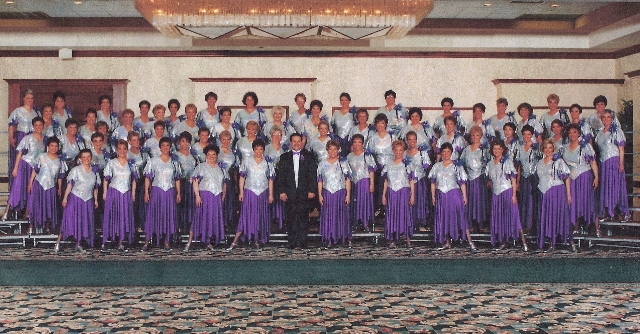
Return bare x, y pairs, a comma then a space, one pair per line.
285, 19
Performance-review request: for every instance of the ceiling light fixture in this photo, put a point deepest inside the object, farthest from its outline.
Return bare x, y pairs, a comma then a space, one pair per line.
397, 16
555, 5
487, 5
9, 2
78, 2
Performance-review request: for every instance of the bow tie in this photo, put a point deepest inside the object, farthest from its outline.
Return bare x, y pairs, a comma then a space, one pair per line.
296, 153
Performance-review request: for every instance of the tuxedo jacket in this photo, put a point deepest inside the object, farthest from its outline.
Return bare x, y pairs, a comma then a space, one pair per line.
286, 178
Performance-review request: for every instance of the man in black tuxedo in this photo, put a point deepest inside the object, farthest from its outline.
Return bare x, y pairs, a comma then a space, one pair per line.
296, 185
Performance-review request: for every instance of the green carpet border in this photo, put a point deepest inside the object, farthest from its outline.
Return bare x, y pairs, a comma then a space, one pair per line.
322, 272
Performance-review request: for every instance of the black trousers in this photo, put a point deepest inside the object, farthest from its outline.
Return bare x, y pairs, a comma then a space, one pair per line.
297, 220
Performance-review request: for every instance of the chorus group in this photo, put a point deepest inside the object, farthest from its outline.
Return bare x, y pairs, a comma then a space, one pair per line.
202, 172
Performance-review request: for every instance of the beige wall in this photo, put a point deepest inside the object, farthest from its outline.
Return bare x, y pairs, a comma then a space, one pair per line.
418, 81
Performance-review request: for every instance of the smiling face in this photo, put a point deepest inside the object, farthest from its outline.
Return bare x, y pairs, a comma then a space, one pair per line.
553, 105
332, 152
524, 113
497, 151
72, 130
203, 136
300, 102
277, 115
575, 114
573, 134
363, 117
476, 137
173, 109
105, 105
59, 103
184, 144
225, 117
556, 129
122, 151
91, 119
606, 118
548, 149
527, 136
381, 126
296, 143
127, 119
501, 108
250, 102
190, 113
315, 111
390, 100
477, 114
276, 136
412, 141
446, 154
85, 159
211, 102
508, 132
446, 107
225, 142
212, 157
38, 127
47, 113
357, 144
28, 100
344, 102
450, 126
415, 118
97, 143
398, 152
165, 148
159, 114
144, 110
134, 142
323, 129
258, 151
53, 148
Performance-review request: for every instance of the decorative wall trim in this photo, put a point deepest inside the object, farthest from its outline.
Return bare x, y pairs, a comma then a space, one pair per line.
633, 74
253, 79
560, 81
320, 54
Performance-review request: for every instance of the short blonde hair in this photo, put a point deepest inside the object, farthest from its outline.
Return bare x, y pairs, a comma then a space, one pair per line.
475, 129
225, 134
397, 143
553, 97
252, 124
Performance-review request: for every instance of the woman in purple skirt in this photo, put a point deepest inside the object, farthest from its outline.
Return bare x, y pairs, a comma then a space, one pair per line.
526, 159
581, 158
398, 194
45, 187
363, 167
256, 193
29, 148
418, 162
79, 200
449, 196
334, 195
555, 186
613, 188
505, 217
119, 189
474, 158
209, 188
20, 125
161, 193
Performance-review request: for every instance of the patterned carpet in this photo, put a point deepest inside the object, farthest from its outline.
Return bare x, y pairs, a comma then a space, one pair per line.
532, 308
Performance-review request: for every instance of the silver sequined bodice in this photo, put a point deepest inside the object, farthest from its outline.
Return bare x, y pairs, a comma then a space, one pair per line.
182, 127
139, 160
187, 164
438, 124
210, 178
546, 119
243, 117
120, 133
271, 152
447, 178
83, 182
397, 118
424, 134
228, 160
551, 174
119, 176
288, 130
31, 148
418, 163
488, 132
457, 141
319, 148
501, 175
498, 124
398, 176
381, 148
61, 119
22, 118
527, 159
85, 133
153, 146
164, 174
365, 133
53, 130
49, 171
243, 146
342, 124
595, 122
537, 127
111, 119
68, 149
609, 143
146, 129
360, 166
579, 159
310, 130
298, 120
208, 119
99, 160
474, 161
217, 130
257, 175
198, 151
333, 175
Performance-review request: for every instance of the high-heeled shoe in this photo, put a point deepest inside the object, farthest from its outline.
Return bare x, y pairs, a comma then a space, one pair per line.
473, 247
5, 216
598, 234
574, 248
232, 246
210, 248
56, 248
186, 247
145, 248
525, 248
445, 247
121, 248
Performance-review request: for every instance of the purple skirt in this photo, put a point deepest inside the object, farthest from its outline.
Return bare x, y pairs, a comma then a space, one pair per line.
613, 189
399, 218
554, 216
334, 217
254, 220
362, 203
209, 221
420, 209
118, 216
449, 216
13, 154
19, 197
187, 205
161, 215
505, 218
230, 204
78, 220
583, 203
46, 208
477, 198
277, 211
528, 201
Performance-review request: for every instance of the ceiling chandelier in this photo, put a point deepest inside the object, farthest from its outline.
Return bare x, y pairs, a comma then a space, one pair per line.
354, 19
